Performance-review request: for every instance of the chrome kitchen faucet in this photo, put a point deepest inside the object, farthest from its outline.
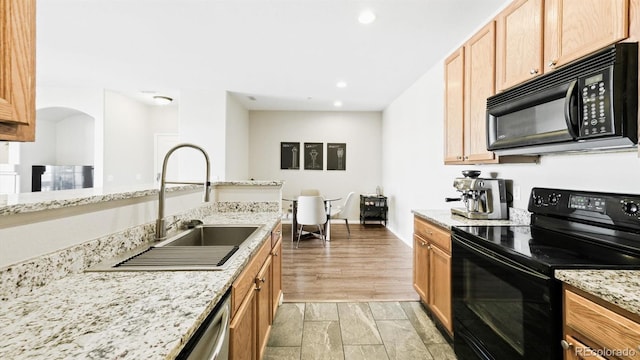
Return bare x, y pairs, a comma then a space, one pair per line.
161, 230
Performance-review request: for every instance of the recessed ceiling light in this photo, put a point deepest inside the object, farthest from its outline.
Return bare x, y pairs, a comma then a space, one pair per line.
337, 103
341, 84
366, 17
162, 100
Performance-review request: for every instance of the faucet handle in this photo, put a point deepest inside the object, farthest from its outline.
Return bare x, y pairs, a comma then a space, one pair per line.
190, 224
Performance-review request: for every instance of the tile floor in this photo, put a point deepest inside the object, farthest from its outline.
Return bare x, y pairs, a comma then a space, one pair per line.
355, 330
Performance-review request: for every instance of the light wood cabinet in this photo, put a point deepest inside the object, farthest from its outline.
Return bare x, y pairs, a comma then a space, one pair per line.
432, 269
594, 329
253, 302
575, 28
17, 70
276, 277
242, 330
454, 107
519, 42
264, 312
469, 81
536, 36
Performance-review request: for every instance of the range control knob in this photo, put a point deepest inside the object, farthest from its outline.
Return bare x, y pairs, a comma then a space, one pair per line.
553, 199
538, 201
630, 208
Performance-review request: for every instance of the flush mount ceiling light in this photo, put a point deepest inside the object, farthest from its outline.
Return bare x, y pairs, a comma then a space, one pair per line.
341, 84
162, 100
366, 17
337, 103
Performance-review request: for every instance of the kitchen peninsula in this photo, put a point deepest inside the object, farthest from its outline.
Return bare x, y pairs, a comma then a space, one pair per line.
55, 310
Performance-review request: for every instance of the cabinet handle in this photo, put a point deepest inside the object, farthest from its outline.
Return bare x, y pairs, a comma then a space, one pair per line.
566, 345
275, 254
429, 247
533, 71
459, 157
466, 157
553, 63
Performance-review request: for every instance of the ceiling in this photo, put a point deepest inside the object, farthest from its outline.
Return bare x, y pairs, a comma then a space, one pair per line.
285, 54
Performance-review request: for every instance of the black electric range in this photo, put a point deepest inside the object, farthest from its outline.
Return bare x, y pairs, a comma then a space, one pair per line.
506, 302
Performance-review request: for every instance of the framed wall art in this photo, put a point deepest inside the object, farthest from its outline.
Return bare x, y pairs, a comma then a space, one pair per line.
336, 156
290, 156
313, 156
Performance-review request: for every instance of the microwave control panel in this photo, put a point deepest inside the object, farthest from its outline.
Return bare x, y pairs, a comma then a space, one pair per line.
596, 113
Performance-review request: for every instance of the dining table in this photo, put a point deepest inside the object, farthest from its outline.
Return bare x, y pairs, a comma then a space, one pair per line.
294, 222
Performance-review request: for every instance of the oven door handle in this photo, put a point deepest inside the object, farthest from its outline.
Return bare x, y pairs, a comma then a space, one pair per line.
481, 252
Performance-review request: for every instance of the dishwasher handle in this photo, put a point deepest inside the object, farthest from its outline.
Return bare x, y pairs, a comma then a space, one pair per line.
222, 334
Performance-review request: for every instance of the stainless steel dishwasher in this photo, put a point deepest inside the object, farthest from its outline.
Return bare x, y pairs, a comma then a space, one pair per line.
211, 340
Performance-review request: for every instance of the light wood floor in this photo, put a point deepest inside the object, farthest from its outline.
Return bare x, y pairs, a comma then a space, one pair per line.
374, 265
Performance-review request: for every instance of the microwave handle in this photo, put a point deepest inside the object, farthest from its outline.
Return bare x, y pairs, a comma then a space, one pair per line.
571, 109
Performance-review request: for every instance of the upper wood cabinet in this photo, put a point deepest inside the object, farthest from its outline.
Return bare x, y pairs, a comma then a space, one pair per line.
519, 42
479, 85
574, 28
17, 70
536, 36
454, 107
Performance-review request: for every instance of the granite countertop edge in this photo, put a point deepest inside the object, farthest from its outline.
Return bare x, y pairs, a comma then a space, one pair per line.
618, 287
97, 314
39, 201
445, 219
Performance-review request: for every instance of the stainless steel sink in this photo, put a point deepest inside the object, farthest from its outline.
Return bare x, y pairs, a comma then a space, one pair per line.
205, 247
211, 235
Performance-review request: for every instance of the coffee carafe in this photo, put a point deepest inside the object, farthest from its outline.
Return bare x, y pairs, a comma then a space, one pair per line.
484, 199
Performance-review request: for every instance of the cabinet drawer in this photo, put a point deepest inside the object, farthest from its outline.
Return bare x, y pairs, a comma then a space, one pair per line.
602, 326
246, 281
433, 234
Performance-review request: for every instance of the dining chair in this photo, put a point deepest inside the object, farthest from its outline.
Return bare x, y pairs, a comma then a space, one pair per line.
342, 211
310, 192
311, 211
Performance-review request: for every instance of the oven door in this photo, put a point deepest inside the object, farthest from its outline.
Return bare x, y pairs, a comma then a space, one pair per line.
502, 310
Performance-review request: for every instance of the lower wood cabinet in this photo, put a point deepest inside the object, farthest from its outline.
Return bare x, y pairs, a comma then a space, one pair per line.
432, 269
253, 300
594, 329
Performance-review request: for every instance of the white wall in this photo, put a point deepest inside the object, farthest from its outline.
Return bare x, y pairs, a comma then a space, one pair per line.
128, 143
74, 140
414, 124
203, 123
237, 141
361, 131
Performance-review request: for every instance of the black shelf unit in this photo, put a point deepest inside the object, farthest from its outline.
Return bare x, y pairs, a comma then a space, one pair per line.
373, 208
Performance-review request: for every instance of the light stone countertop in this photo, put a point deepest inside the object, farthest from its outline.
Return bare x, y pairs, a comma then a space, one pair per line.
123, 315
444, 218
619, 287
38, 201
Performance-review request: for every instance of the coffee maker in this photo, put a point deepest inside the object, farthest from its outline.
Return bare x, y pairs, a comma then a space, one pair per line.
484, 199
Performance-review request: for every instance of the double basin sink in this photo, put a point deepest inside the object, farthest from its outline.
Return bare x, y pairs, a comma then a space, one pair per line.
204, 247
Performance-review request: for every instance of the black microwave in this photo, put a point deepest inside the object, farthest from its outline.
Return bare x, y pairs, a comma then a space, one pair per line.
590, 104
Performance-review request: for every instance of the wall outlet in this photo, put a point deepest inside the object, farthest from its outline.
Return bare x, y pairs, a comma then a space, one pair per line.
516, 192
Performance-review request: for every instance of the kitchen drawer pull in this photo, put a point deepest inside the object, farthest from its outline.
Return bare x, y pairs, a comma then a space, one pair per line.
553, 63
533, 71
565, 344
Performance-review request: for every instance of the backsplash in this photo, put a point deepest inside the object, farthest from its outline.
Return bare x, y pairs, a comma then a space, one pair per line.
22, 278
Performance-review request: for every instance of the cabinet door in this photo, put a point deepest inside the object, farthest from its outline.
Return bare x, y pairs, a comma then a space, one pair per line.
519, 42
440, 286
242, 330
574, 28
17, 70
454, 107
421, 267
263, 306
480, 55
276, 277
